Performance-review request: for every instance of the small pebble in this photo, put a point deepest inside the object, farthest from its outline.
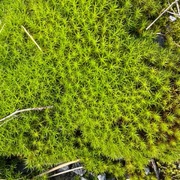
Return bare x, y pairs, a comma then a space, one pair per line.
172, 18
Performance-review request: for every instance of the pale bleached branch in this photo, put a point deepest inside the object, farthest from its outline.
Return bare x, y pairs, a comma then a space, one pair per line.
178, 7
25, 110
176, 44
7, 121
175, 14
31, 38
162, 13
66, 171
156, 170
58, 167
171, 7
175, 176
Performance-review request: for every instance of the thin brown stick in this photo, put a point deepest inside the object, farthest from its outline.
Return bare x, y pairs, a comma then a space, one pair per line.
58, 167
66, 171
25, 110
31, 38
162, 14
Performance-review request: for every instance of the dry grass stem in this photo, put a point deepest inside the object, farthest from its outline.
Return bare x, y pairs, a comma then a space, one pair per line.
66, 171
58, 167
25, 110
32, 38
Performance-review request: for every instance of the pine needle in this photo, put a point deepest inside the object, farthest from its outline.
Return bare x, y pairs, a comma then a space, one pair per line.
58, 167
32, 38
67, 171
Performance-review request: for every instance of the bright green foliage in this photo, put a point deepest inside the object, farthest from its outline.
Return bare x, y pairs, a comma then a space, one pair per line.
115, 92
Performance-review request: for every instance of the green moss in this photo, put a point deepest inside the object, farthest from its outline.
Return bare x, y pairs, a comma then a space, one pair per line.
115, 92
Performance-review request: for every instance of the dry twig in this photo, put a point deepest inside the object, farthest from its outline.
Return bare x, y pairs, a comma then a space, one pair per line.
25, 110
6, 122
176, 1
32, 38
171, 7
